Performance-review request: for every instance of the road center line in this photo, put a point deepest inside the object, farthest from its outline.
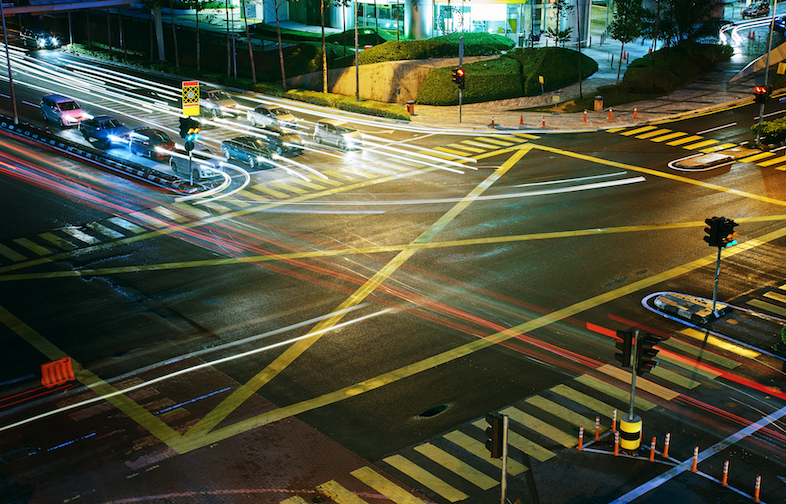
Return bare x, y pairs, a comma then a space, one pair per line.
717, 128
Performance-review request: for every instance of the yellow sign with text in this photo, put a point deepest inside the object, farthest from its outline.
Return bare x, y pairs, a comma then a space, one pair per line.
190, 98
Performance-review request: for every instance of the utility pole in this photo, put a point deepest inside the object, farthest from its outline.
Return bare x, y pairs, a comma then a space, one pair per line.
8, 63
766, 76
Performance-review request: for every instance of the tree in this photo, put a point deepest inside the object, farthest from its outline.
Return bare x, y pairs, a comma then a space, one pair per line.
248, 38
626, 26
276, 5
344, 5
560, 10
692, 20
324, 51
198, 6
174, 33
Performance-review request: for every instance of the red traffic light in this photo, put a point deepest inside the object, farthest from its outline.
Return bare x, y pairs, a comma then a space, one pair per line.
760, 90
460, 72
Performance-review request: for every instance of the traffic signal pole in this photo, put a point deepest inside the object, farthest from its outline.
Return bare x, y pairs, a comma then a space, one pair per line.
715, 290
504, 480
635, 357
766, 76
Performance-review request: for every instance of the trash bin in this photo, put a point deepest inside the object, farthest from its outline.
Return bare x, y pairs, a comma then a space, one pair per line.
598, 103
411, 107
521, 40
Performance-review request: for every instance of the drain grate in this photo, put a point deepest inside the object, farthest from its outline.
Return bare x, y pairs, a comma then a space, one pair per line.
432, 412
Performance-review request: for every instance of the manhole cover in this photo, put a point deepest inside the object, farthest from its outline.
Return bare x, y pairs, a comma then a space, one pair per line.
436, 410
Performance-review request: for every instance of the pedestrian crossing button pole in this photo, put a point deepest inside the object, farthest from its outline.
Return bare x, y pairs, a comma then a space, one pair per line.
497, 444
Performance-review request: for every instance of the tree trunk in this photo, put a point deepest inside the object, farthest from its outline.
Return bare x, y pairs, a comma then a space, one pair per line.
280, 49
619, 67
120, 30
324, 51
174, 33
89, 40
248, 38
108, 31
152, 39
197, 38
229, 52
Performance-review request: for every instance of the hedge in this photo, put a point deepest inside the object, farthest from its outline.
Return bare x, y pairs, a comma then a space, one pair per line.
475, 44
670, 68
772, 132
558, 66
484, 80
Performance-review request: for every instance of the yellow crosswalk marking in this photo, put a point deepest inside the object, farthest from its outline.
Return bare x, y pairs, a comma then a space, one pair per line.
560, 411
525, 135
425, 478
235, 202
521, 443
478, 449
685, 140
341, 176
129, 226
452, 151
479, 144
57, 241
384, 486
716, 148
295, 499
701, 353
216, 206
615, 392
81, 236
540, 427
652, 134
637, 131
153, 221
688, 367
321, 180
675, 378
771, 162
191, 209
498, 142
169, 214
269, 192
756, 157
339, 494
451, 463
469, 149
33, 246
305, 183
108, 232
595, 405
641, 383
776, 296
616, 130
253, 196
11, 253
438, 155
289, 188
758, 303
667, 137
725, 345
699, 145
781, 168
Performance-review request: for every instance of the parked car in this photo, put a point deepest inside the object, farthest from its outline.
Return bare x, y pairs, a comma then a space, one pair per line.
271, 116
755, 10
338, 133
39, 39
217, 103
106, 130
150, 142
283, 142
204, 164
250, 149
61, 109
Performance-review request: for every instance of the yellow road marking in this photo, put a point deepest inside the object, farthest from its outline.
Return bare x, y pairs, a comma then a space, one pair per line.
339, 494
560, 411
57, 241
771, 162
716, 148
521, 443
675, 378
29, 245
80, 235
613, 391
637, 130
191, 209
684, 140
289, 188
169, 214
700, 353
758, 303
305, 183
776, 296
253, 196
455, 465
128, 226
595, 405
295, 499
384, 486
699, 145
653, 134
497, 141
468, 149
688, 367
235, 202
541, 427
756, 157
479, 144
616, 130
108, 232
342, 176
525, 135
720, 343
425, 478
641, 383
670, 136
217, 207
478, 449
269, 191
452, 151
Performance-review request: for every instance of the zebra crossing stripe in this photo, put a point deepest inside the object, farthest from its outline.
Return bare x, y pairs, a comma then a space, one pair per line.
460, 468
252, 196
341, 176
699, 145
540, 427
470, 149
385, 486
615, 392
478, 449
32, 246
758, 303
616, 130
688, 365
771, 162
191, 209
339, 494
425, 478
641, 383
527, 136
235, 202
560, 411
521, 443
305, 183
599, 407
638, 130
498, 142
685, 140
452, 151
57, 241
295, 499
670, 136
149, 219
777, 296
130, 226
81, 235
216, 207
700, 353
479, 144
269, 192
725, 345
756, 157
675, 378
651, 134
108, 232
289, 188
169, 214
11, 253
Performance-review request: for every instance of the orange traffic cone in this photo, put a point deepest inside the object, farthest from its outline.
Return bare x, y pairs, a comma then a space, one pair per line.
492, 123
585, 115
635, 113
521, 121
611, 116
543, 124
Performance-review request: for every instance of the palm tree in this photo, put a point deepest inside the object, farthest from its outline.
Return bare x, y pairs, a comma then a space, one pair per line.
198, 6
324, 53
174, 33
276, 5
248, 38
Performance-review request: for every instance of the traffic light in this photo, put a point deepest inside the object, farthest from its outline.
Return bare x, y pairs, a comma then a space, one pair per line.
494, 434
625, 347
713, 231
454, 75
189, 129
727, 233
762, 93
645, 352
460, 77
184, 125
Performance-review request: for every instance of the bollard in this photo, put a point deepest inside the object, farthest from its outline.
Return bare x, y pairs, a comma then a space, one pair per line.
695, 459
757, 489
725, 479
635, 113
616, 444
614, 421
652, 450
492, 123
630, 432
585, 115
597, 428
611, 115
581, 438
543, 124
521, 121
666, 448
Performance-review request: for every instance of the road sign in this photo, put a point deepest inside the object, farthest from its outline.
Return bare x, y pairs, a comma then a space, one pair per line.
190, 98
555, 98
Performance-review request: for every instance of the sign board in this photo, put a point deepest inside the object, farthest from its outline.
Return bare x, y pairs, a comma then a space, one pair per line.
781, 68
541, 79
190, 98
555, 98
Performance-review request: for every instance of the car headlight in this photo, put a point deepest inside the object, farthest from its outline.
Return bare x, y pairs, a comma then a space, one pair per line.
54, 41
41, 42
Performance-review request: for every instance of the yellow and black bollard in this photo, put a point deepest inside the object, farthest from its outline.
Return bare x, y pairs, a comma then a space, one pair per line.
630, 432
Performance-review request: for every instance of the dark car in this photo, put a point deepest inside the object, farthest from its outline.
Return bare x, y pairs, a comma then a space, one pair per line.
755, 10
107, 131
204, 164
283, 142
250, 149
39, 39
150, 142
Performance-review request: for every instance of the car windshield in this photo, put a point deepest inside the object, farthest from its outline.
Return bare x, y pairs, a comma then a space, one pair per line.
111, 123
202, 153
279, 111
219, 95
259, 143
69, 105
344, 129
159, 137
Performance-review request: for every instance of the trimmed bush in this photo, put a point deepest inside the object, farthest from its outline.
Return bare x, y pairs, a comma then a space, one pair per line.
475, 44
558, 66
670, 68
484, 80
771, 131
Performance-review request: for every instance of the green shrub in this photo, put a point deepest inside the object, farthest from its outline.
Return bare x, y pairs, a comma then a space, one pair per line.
484, 80
670, 68
558, 66
476, 44
771, 131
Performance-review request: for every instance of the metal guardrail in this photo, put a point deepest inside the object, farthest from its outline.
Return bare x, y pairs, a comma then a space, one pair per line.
96, 157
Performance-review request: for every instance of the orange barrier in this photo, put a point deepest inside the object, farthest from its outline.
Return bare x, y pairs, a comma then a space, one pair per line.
695, 459
757, 489
543, 124
597, 428
666, 448
585, 115
614, 421
725, 480
581, 438
635, 113
616, 443
57, 372
492, 123
652, 450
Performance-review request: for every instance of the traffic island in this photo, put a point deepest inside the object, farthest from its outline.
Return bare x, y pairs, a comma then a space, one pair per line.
694, 309
713, 159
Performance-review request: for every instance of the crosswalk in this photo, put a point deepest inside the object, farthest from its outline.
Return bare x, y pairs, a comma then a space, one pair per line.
774, 301
455, 466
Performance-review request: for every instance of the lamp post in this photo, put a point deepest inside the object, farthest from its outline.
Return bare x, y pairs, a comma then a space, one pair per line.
8, 62
766, 73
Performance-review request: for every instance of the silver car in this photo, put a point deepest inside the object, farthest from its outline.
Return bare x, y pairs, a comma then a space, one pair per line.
62, 110
217, 103
204, 164
337, 132
271, 116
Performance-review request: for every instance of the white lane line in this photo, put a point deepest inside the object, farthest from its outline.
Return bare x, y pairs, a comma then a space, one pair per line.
770, 114
717, 128
717, 447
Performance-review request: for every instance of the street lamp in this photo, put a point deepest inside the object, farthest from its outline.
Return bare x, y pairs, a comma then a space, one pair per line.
8, 62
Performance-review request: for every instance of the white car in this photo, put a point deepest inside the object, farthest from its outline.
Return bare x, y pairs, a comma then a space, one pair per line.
63, 110
217, 103
204, 164
337, 132
271, 116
